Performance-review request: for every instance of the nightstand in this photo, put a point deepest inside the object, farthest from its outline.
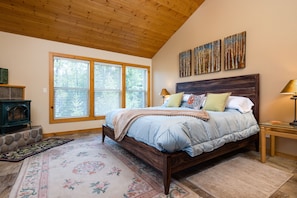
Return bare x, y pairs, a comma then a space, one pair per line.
274, 129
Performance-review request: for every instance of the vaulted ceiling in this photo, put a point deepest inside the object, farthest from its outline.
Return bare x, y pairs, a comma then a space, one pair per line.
134, 27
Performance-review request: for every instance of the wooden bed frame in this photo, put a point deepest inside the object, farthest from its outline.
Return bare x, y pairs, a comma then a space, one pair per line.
169, 163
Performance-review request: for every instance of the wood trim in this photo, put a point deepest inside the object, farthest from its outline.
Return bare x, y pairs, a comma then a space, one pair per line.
92, 87
56, 134
123, 86
96, 59
51, 86
91, 95
285, 155
14, 86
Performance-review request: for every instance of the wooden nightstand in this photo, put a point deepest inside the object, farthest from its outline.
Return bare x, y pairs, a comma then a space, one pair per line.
279, 129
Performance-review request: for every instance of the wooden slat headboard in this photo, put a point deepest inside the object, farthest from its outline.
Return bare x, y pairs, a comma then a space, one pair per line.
247, 85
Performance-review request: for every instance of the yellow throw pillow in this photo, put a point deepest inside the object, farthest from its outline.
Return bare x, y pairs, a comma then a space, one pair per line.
175, 99
216, 101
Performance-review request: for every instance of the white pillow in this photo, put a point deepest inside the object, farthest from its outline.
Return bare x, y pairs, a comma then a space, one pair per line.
166, 100
186, 97
242, 104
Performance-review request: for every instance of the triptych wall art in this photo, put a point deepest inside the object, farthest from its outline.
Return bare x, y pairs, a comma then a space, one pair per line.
185, 63
207, 57
234, 51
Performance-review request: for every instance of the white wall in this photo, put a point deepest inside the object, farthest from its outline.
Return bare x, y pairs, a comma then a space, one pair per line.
271, 50
27, 60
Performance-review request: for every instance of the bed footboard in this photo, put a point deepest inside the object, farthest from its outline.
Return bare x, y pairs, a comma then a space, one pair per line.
169, 163
160, 161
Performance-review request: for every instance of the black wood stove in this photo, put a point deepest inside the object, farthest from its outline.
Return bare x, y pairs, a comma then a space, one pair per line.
14, 114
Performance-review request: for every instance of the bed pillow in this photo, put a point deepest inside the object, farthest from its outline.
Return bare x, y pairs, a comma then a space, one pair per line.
242, 104
166, 99
216, 101
195, 101
185, 100
186, 97
175, 100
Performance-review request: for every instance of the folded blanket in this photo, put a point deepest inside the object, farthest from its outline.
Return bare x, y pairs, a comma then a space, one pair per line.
126, 117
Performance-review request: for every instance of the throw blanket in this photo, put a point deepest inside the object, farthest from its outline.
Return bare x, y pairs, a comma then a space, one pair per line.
125, 118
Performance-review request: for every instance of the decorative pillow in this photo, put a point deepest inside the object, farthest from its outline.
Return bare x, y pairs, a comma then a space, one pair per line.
216, 102
175, 100
242, 104
195, 101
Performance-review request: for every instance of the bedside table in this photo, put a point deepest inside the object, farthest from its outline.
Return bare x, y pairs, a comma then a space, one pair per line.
274, 129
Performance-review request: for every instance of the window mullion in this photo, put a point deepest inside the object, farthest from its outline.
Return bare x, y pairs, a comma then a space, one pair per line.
92, 90
124, 86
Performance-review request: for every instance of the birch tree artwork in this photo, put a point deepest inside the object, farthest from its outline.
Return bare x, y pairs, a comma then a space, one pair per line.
234, 51
185, 59
207, 58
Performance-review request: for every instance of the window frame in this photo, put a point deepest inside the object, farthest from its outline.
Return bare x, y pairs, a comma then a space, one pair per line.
92, 61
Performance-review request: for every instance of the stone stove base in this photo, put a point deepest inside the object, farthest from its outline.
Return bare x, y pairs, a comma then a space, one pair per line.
19, 138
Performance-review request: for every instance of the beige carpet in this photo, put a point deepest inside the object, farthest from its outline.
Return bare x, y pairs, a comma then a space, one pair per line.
240, 177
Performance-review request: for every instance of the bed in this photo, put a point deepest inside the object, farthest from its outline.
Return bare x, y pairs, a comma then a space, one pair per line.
171, 162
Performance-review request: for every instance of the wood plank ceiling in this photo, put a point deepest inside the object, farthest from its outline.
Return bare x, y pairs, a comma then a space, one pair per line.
134, 27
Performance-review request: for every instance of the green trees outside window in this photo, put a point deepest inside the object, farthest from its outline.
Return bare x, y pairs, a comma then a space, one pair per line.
86, 88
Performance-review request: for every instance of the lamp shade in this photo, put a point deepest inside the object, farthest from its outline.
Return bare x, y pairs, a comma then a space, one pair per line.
290, 88
164, 92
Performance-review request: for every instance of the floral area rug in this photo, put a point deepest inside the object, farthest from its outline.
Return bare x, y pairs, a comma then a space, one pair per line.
89, 168
32, 149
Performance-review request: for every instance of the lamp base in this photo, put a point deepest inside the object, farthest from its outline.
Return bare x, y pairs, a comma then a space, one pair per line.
294, 123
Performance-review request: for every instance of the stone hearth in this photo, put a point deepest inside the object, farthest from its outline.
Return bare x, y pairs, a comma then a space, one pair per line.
19, 138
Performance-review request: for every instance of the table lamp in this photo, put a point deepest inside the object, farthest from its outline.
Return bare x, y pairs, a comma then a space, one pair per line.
164, 93
291, 88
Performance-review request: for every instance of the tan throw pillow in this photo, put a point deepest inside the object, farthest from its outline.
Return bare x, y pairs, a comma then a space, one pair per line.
175, 100
216, 101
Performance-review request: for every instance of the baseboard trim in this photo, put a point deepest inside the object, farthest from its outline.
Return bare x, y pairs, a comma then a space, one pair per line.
284, 155
91, 130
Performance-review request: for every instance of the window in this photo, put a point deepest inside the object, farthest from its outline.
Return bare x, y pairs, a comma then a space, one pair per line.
71, 88
136, 87
86, 88
108, 87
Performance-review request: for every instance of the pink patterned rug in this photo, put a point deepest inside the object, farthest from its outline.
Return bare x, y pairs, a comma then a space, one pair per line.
88, 168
